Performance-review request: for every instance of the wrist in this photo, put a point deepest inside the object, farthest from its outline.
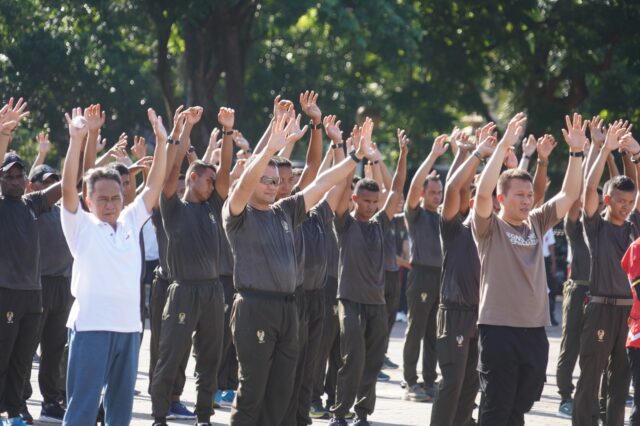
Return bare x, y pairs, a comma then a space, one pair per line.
542, 162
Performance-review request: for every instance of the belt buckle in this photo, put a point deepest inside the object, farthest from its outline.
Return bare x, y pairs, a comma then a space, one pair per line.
610, 301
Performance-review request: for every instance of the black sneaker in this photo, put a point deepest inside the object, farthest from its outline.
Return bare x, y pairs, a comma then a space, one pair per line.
26, 416
389, 365
51, 413
361, 421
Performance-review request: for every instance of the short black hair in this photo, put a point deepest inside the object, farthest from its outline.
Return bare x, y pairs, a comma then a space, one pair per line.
430, 178
198, 167
101, 173
621, 183
280, 162
368, 185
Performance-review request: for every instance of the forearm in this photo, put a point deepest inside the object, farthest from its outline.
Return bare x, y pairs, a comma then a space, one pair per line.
38, 160
628, 168
5, 138
223, 180
262, 143
572, 183
400, 176
171, 181
489, 177
377, 176
418, 180
459, 159
69, 174
540, 181
314, 158
90, 153
593, 180
326, 162
286, 151
524, 163
240, 196
613, 168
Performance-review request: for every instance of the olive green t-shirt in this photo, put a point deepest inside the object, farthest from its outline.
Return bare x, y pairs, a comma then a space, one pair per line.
461, 267
424, 234
513, 283
315, 230
580, 257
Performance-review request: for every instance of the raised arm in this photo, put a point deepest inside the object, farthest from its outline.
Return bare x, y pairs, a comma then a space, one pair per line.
10, 117
95, 120
460, 141
575, 137
399, 177
226, 118
43, 149
155, 180
611, 143
192, 116
280, 108
415, 190
459, 183
545, 146
632, 146
309, 105
77, 132
483, 205
213, 144
528, 148
334, 197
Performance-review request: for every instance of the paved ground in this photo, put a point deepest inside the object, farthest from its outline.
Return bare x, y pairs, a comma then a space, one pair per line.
391, 410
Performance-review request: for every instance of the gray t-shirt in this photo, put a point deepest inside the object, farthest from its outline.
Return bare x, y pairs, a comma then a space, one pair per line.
55, 257
193, 233
391, 239
361, 267
316, 229
161, 236
461, 266
580, 257
424, 233
20, 242
607, 244
333, 257
263, 245
298, 238
226, 257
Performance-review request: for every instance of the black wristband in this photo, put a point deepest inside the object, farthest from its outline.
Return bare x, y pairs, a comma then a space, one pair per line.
623, 153
173, 141
354, 157
477, 154
315, 126
579, 154
336, 146
528, 157
227, 133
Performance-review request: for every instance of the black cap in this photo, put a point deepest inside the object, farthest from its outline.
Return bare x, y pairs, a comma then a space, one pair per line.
11, 159
43, 172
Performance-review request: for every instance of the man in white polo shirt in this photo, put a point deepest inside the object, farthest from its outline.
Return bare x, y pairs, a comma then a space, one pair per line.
105, 318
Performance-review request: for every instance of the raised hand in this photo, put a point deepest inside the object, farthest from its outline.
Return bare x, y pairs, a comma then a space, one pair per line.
295, 133
240, 141
95, 117
362, 138
515, 129
238, 169
213, 138
281, 107
332, 128
142, 164
121, 156
529, 146
226, 118
179, 119
439, 146
139, 148
193, 115
596, 130
280, 133
545, 146
629, 144
487, 145
615, 132
77, 124
510, 159
158, 127
374, 153
100, 143
191, 154
43, 143
403, 141
308, 103
11, 115
574, 134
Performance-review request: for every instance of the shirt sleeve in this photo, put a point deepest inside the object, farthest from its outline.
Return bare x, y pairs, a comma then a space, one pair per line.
73, 225
136, 213
591, 226
230, 222
294, 207
323, 213
450, 228
37, 202
545, 216
481, 227
411, 215
169, 207
342, 223
384, 221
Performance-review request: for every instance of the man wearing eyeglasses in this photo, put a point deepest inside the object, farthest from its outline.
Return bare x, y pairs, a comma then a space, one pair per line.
264, 318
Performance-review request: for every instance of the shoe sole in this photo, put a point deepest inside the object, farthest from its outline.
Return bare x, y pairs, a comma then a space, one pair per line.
414, 399
563, 415
180, 417
50, 420
318, 415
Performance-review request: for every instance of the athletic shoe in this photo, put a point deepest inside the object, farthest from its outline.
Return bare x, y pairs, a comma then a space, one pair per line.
388, 364
16, 421
416, 393
629, 400
401, 317
338, 422
217, 399
159, 424
349, 415
566, 409
361, 422
51, 413
26, 415
227, 397
382, 377
179, 411
203, 424
431, 392
317, 411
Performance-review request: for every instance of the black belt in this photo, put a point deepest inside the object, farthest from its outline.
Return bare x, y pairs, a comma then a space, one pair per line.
613, 301
267, 295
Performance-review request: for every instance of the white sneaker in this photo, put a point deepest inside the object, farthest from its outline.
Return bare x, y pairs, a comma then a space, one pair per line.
401, 317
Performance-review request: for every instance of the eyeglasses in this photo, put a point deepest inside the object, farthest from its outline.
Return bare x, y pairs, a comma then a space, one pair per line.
266, 180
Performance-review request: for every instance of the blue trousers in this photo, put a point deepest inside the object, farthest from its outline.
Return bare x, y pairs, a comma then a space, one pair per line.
101, 360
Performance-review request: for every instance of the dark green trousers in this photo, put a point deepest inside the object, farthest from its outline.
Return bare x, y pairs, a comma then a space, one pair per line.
423, 293
228, 371
602, 343
363, 340
265, 333
329, 351
457, 346
392, 297
574, 295
192, 311
158, 298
